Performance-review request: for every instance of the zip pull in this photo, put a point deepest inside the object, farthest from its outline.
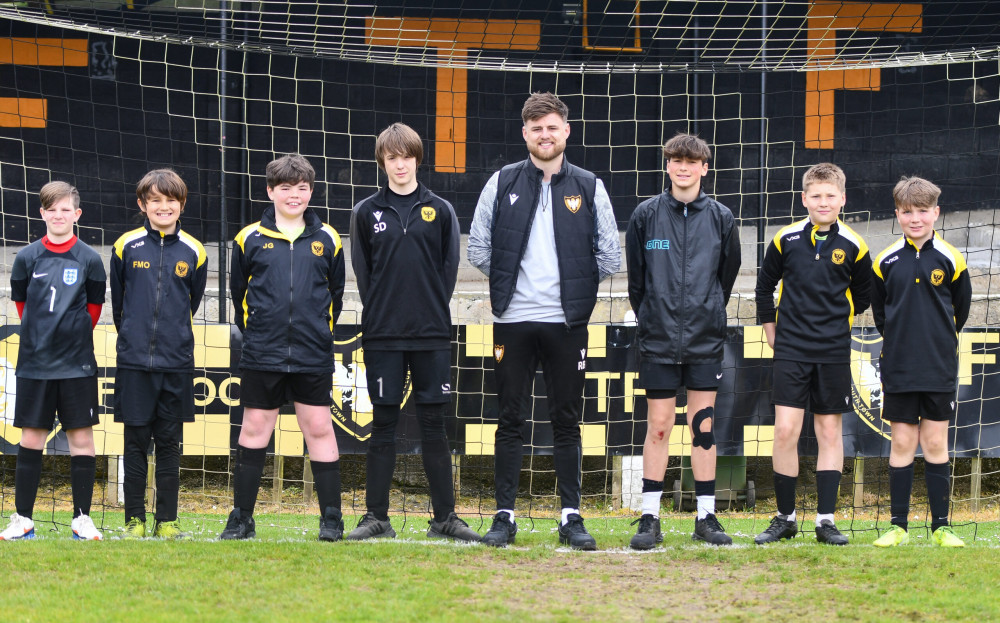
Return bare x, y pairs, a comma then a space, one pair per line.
685, 210
817, 255
918, 254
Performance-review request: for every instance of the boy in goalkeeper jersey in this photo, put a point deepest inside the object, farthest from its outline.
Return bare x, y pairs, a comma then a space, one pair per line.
57, 284
921, 297
405, 253
158, 275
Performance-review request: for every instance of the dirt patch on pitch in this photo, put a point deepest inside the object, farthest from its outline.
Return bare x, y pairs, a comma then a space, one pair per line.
626, 586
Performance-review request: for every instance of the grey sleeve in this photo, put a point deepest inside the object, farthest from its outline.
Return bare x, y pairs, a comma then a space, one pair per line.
481, 232
609, 250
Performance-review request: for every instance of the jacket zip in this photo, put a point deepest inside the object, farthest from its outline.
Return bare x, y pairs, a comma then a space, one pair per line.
684, 272
291, 299
156, 306
527, 234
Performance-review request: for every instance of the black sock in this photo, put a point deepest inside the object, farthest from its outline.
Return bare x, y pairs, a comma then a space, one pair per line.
938, 476
827, 488
900, 489
381, 463
82, 470
246, 477
704, 487
326, 475
784, 493
27, 475
651, 486
437, 466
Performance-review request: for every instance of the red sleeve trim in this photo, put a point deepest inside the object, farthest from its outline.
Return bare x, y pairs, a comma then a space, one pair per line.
94, 309
20, 308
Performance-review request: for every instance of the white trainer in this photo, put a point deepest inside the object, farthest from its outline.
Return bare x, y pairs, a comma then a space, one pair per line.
19, 528
84, 529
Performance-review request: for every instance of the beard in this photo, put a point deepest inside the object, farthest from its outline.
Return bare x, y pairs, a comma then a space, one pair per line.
549, 155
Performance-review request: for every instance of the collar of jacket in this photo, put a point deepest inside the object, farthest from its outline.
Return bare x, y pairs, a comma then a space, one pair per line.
812, 230
167, 238
700, 202
268, 222
528, 167
381, 198
929, 243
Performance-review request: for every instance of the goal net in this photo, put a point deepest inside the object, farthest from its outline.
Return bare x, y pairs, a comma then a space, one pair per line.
98, 92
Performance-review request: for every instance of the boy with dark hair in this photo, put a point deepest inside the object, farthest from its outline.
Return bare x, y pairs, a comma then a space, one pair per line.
542, 296
683, 256
158, 274
921, 297
405, 253
825, 273
57, 284
287, 284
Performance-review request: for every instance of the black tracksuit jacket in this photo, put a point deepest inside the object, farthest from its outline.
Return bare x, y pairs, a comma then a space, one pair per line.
406, 267
820, 293
920, 301
683, 260
157, 282
287, 294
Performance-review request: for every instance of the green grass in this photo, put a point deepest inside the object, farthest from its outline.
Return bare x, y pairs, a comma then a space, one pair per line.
285, 574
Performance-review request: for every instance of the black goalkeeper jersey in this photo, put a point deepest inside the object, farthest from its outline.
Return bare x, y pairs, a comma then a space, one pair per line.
57, 339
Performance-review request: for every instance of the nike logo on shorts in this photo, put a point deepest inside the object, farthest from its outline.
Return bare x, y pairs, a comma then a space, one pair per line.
718, 376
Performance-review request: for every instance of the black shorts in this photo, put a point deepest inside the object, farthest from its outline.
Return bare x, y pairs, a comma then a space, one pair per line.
141, 396
911, 407
671, 377
823, 388
261, 389
38, 401
430, 374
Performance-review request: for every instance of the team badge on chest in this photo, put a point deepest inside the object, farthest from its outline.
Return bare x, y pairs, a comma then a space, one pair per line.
573, 203
428, 213
70, 275
838, 256
181, 269
937, 276
317, 248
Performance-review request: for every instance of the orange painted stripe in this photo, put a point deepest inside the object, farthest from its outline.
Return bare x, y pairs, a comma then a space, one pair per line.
48, 52
824, 19
453, 34
450, 124
452, 38
23, 112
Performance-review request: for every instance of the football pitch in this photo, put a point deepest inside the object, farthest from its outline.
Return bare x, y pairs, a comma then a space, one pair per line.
285, 574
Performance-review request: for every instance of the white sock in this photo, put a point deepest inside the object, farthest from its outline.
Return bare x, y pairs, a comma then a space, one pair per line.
820, 518
651, 503
706, 505
790, 517
509, 511
566, 512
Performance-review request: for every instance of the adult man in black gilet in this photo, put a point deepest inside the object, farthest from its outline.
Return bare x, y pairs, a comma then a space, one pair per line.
545, 234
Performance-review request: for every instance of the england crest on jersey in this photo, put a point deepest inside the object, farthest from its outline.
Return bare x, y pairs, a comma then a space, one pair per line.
70, 275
